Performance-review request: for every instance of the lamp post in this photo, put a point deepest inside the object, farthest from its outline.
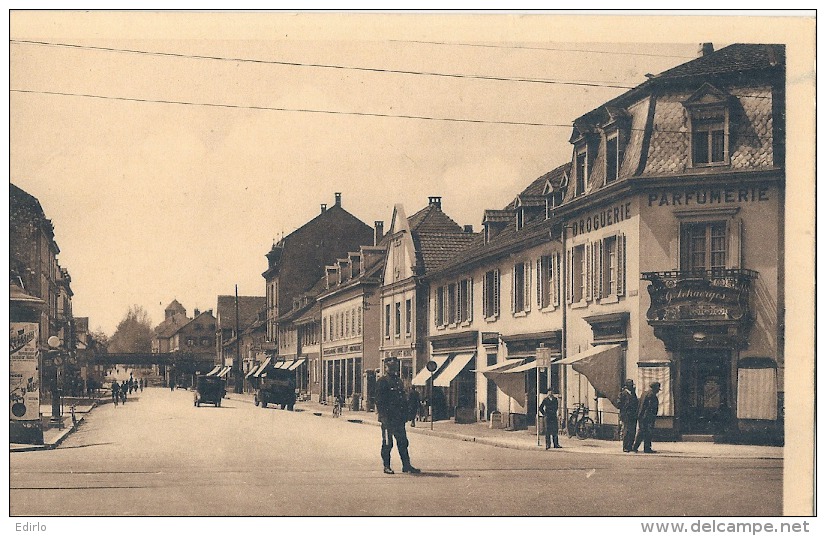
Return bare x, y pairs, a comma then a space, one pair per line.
57, 361
431, 368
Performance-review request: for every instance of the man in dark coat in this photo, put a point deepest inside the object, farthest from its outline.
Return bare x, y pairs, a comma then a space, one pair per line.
549, 409
393, 411
649, 405
413, 402
628, 406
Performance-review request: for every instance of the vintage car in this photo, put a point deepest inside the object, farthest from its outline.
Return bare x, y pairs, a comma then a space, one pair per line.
209, 390
276, 386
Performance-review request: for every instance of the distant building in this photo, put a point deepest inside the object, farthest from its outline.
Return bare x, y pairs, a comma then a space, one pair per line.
225, 323
296, 262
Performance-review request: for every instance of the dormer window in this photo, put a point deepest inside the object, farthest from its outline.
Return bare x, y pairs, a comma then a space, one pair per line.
520, 219
581, 171
613, 157
708, 113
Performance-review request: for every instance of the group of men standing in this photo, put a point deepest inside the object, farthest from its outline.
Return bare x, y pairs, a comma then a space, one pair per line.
637, 417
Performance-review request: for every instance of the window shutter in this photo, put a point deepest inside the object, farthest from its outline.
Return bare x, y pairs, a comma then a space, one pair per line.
457, 310
589, 266
621, 264
599, 269
527, 289
555, 277
470, 300
569, 275
513, 289
540, 281
485, 312
496, 291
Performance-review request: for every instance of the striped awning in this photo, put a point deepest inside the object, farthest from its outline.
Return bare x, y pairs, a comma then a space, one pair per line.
297, 363
214, 371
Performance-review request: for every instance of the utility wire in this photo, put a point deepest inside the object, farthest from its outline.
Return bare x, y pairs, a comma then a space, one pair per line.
323, 65
339, 112
279, 109
551, 49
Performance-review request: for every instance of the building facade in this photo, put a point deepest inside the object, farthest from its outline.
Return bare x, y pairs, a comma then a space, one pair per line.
350, 324
414, 245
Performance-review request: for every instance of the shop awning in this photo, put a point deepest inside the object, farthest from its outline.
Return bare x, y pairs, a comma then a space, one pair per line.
297, 363
284, 365
602, 365
224, 372
424, 374
262, 368
252, 370
214, 371
500, 366
456, 365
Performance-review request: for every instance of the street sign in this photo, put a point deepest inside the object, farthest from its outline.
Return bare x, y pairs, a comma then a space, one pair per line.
432, 366
543, 357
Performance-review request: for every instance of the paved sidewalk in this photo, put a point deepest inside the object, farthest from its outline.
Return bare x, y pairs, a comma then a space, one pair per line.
526, 439
53, 436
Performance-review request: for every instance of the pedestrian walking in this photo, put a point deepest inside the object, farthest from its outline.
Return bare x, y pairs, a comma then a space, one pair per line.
413, 402
649, 405
393, 412
549, 409
142, 381
628, 406
115, 392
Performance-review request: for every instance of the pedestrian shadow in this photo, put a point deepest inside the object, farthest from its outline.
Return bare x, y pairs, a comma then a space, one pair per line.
435, 474
87, 445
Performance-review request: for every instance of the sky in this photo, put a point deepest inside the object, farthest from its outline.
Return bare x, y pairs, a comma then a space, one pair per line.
171, 149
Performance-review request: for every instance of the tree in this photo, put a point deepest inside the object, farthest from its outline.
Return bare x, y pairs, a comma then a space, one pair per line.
99, 341
134, 332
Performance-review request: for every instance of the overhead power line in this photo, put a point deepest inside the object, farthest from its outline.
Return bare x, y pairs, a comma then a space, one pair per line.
336, 112
550, 49
282, 109
325, 66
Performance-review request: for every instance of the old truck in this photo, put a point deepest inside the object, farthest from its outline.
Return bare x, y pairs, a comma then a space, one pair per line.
276, 386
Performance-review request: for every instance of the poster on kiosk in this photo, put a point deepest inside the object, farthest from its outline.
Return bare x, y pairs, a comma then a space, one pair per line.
24, 389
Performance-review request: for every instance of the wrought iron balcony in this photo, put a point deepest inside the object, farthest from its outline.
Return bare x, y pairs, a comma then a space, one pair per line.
716, 296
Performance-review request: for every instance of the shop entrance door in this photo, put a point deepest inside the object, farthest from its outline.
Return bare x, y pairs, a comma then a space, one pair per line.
705, 391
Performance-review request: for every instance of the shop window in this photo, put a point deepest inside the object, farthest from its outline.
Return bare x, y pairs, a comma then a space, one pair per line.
704, 246
491, 294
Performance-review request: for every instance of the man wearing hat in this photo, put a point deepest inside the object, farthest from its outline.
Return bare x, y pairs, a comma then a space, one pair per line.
649, 406
393, 409
628, 406
549, 408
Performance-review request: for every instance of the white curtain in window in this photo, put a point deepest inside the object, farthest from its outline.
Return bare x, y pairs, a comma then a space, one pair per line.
660, 372
757, 393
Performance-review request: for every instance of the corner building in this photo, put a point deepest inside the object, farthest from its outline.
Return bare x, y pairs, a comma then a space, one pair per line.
672, 225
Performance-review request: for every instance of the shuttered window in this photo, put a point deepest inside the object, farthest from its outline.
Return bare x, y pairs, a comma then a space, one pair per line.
490, 290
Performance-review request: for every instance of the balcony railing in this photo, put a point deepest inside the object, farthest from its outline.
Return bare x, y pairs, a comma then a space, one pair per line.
700, 295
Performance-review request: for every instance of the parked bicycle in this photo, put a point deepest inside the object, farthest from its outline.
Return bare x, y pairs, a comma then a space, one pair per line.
580, 424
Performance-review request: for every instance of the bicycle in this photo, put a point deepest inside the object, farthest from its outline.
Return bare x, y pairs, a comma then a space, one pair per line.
580, 424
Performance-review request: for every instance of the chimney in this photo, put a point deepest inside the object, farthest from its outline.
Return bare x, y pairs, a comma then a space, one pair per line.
469, 228
338, 199
706, 49
323, 207
379, 232
197, 311
435, 201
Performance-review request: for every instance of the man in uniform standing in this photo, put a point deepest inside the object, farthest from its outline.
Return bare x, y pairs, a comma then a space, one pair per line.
628, 405
549, 408
393, 409
649, 405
